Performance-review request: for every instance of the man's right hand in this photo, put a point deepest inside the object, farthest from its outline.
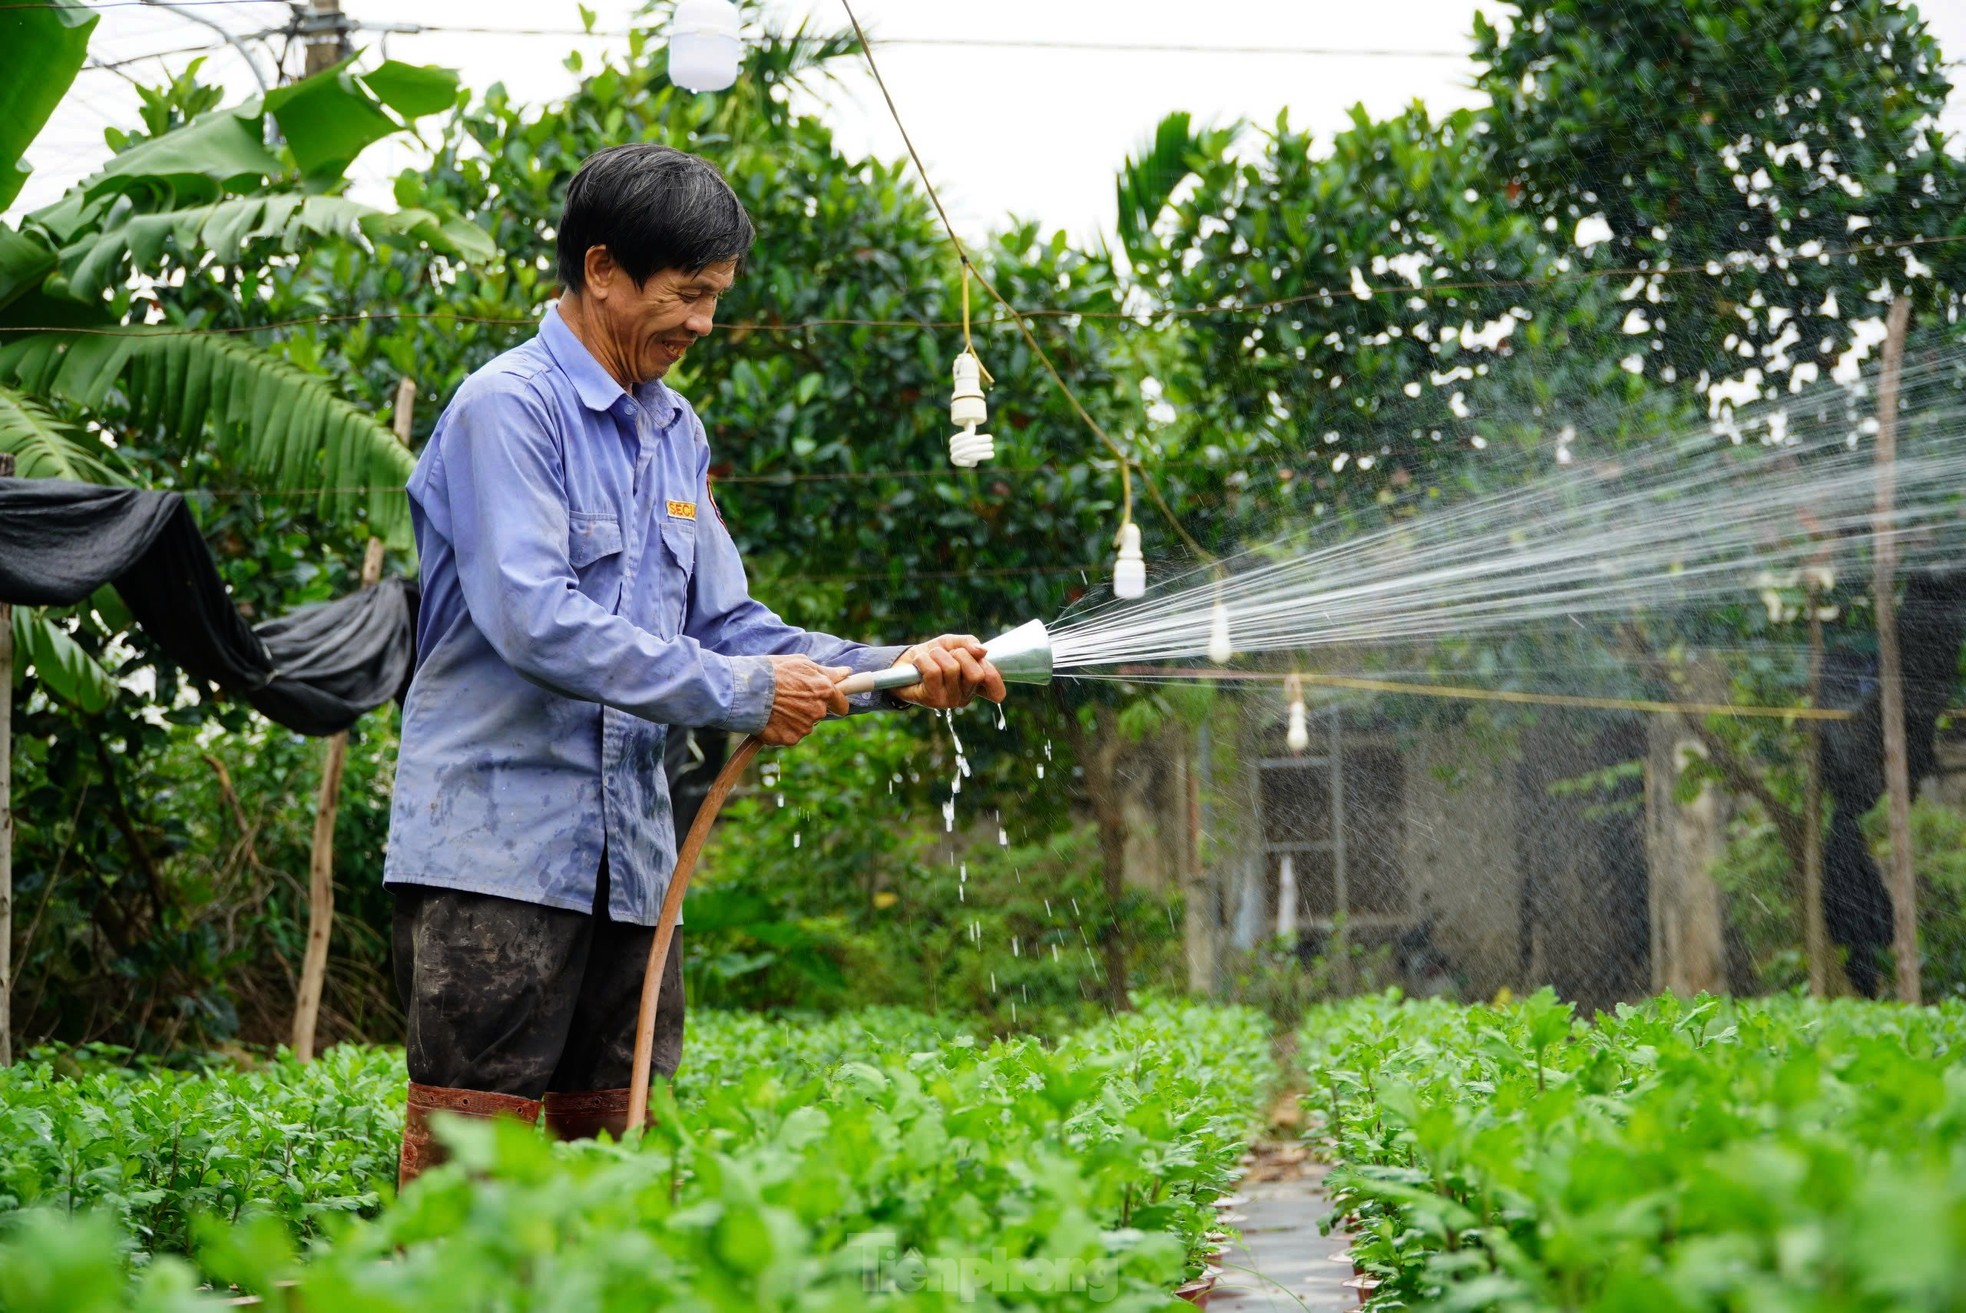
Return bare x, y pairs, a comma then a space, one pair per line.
804, 693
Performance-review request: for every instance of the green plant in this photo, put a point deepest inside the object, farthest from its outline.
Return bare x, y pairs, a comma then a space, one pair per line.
155, 1147
795, 1166
1701, 1155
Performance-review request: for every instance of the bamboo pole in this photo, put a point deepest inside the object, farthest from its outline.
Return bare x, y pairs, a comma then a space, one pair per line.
6, 815
327, 803
1890, 674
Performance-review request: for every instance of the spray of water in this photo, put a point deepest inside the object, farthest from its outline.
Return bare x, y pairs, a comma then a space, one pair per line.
1699, 519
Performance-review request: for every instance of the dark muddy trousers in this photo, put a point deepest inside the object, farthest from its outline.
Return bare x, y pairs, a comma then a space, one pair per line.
514, 998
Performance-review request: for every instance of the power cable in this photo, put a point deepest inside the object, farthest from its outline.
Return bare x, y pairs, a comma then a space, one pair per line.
112, 65
413, 28
1712, 267
134, 4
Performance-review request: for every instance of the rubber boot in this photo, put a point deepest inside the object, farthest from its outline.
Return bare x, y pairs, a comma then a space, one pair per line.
420, 1148
584, 1114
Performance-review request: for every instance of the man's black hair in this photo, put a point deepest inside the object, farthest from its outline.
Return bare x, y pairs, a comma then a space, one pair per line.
654, 208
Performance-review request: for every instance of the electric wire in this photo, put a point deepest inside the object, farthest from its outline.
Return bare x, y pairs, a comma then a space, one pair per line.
1140, 318
133, 4
411, 27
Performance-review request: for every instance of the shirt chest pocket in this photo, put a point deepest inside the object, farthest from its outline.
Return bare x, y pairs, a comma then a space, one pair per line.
594, 550
679, 549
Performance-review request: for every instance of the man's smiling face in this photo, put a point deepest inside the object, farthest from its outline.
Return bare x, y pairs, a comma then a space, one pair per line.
648, 328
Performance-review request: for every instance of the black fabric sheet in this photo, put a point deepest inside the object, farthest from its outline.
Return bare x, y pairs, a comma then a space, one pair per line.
317, 670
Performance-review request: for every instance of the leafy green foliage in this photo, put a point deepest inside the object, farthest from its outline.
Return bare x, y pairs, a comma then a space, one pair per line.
1676, 1156
156, 1147
1763, 128
270, 423
42, 47
840, 880
795, 1167
67, 671
1095, 1158
46, 447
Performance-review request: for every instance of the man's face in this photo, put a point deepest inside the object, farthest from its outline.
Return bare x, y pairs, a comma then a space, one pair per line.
649, 327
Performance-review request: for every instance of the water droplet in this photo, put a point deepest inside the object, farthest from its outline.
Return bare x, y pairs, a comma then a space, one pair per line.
993, 982
1040, 770
795, 838
781, 800
1001, 722
1054, 954
949, 816
1013, 947
1003, 839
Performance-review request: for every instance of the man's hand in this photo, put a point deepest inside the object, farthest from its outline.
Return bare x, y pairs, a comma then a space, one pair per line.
804, 691
954, 670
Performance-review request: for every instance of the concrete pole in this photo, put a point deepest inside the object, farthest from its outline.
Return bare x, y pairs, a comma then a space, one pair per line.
327, 35
320, 857
6, 814
1890, 674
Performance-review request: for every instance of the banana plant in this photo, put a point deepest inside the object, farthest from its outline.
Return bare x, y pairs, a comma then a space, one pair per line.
93, 359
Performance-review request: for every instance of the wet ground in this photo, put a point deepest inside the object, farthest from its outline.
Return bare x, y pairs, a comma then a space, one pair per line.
1283, 1263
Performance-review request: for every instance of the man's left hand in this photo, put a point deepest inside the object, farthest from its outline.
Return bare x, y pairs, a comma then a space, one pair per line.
954, 670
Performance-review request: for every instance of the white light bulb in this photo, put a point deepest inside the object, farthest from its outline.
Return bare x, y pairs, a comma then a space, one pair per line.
1130, 571
968, 449
704, 47
1298, 736
1220, 650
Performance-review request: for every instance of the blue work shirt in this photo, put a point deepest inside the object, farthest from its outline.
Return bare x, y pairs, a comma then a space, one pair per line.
580, 594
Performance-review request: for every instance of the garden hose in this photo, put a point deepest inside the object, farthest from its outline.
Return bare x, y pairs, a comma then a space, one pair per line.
1022, 656
665, 924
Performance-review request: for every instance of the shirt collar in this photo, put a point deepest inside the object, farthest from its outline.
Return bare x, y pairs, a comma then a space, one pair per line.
594, 385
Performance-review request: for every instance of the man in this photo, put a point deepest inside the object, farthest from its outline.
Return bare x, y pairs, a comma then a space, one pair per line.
580, 593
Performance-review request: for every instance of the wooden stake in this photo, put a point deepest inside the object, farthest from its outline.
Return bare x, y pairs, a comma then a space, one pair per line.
1890, 674
1815, 927
6, 814
327, 803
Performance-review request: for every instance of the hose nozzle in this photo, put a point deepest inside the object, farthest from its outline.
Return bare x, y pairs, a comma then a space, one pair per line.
1021, 656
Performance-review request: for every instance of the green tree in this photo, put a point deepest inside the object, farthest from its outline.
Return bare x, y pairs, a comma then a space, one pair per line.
1763, 141
116, 365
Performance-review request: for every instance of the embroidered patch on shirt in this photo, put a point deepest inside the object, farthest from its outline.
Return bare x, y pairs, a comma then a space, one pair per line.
682, 510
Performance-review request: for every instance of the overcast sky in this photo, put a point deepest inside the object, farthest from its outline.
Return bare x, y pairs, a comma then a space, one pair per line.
1031, 132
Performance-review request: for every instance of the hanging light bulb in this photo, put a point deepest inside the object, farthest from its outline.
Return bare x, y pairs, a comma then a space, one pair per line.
969, 448
1130, 571
1220, 650
704, 47
1297, 735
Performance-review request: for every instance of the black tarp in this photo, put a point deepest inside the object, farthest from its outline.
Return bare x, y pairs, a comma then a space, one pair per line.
317, 670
